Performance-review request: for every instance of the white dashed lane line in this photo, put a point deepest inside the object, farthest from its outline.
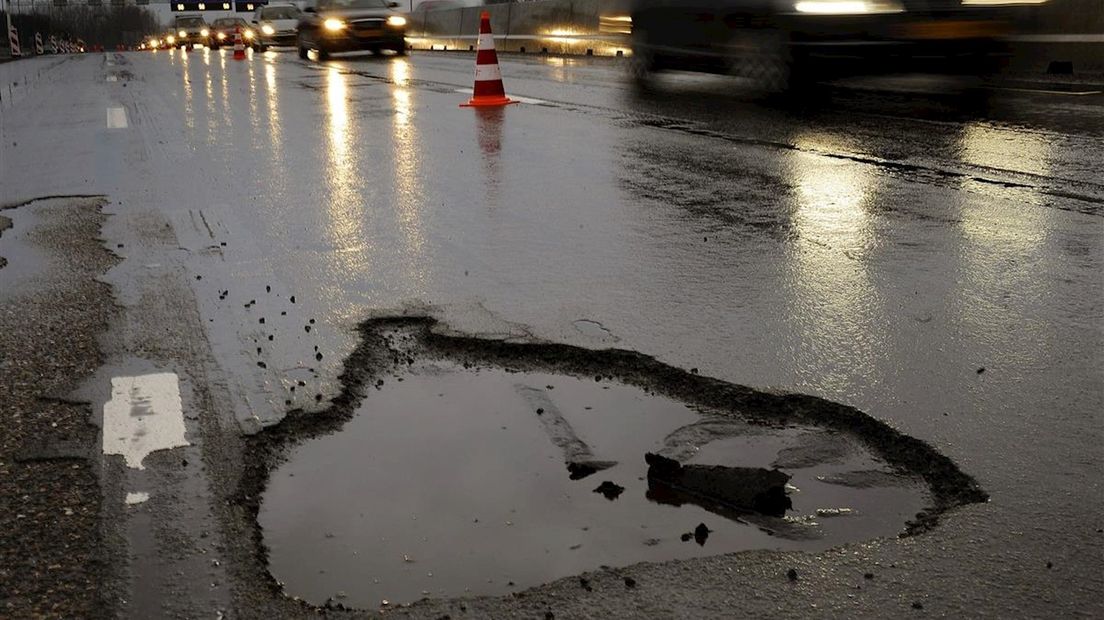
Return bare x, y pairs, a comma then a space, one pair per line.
116, 118
144, 415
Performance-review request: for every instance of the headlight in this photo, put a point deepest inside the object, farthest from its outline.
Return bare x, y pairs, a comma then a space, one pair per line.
204, 32
248, 34
268, 29
333, 24
182, 34
221, 36
396, 21
171, 39
848, 7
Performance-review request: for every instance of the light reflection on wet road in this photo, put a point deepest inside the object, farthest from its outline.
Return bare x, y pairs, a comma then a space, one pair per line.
877, 251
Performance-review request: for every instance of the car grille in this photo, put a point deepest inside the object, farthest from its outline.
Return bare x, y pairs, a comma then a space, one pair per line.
370, 26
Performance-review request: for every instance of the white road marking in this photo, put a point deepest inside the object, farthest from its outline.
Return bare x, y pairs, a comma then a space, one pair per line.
116, 118
1071, 93
139, 497
468, 91
112, 78
144, 415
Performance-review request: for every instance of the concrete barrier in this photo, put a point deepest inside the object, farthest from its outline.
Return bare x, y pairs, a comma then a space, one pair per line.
1061, 30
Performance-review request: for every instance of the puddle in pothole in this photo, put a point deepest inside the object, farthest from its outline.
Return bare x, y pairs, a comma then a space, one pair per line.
449, 483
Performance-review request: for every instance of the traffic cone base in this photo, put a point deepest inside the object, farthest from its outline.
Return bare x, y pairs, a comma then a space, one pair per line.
485, 101
488, 89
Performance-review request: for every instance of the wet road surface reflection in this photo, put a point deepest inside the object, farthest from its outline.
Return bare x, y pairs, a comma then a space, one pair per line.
873, 250
452, 482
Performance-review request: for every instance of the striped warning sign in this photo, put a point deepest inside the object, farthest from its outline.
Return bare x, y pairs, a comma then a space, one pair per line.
13, 38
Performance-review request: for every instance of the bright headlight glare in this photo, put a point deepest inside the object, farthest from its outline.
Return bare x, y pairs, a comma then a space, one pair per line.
182, 34
847, 7
268, 29
333, 24
204, 32
248, 34
222, 36
171, 39
396, 20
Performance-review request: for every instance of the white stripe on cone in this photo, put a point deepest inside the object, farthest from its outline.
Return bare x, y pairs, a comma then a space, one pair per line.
486, 41
488, 73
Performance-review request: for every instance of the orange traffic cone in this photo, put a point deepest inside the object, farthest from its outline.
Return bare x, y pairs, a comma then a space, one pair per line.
239, 44
488, 89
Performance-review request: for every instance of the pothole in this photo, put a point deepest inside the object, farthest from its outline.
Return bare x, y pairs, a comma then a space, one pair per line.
458, 467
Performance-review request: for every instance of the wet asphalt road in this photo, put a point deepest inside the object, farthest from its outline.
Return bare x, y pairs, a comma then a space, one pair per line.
933, 263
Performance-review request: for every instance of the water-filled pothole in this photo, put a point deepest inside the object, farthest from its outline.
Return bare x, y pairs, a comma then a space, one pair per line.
454, 481
433, 473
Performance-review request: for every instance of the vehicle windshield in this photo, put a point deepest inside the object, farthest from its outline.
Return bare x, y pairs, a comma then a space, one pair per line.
352, 4
226, 22
190, 22
280, 12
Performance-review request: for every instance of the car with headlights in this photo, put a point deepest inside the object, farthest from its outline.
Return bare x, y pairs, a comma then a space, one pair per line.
189, 31
786, 43
223, 28
277, 25
351, 25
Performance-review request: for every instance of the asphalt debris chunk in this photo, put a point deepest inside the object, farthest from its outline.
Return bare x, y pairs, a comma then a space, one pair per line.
610, 490
701, 534
792, 574
709, 486
630, 582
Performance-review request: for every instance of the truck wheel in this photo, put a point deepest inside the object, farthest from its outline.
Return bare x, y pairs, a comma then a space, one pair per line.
643, 64
763, 55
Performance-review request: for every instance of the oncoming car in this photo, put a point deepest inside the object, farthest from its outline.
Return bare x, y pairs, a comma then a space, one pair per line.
785, 43
351, 25
222, 32
277, 24
189, 31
